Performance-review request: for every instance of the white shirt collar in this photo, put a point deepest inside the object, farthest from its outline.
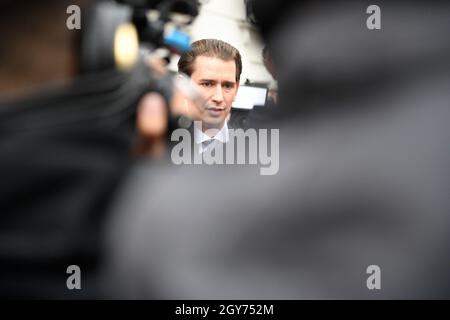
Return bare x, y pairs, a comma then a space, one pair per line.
200, 137
222, 135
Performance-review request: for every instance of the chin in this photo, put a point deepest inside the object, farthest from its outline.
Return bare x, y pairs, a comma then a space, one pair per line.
214, 122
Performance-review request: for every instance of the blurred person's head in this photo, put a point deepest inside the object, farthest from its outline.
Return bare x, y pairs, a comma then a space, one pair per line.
268, 62
215, 68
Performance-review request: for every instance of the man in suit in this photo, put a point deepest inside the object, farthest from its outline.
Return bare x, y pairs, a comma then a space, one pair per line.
214, 67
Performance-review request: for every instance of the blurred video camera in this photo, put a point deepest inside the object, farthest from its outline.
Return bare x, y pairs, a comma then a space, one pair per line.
121, 33
160, 23
117, 33
116, 39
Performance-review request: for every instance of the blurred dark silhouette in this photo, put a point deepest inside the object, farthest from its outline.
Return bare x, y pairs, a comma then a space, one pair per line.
263, 116
65, 139
67, 130
363, 178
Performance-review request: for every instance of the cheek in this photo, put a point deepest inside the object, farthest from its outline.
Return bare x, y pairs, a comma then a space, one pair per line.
230, 96
204, 92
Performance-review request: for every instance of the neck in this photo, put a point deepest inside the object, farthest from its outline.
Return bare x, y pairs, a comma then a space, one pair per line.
211, 130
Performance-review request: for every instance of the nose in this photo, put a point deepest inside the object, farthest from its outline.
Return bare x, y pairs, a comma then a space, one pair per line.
217, 98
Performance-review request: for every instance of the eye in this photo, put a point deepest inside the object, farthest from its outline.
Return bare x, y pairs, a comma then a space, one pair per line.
206, 84
228, 86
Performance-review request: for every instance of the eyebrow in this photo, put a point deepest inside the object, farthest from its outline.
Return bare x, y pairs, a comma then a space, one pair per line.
214, 81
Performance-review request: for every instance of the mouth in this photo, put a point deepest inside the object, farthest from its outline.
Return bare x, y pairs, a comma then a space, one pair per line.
215, 111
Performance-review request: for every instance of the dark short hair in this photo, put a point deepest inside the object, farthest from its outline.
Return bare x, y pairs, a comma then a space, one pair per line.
210, 48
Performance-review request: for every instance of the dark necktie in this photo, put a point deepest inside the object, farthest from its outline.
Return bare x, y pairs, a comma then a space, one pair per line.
207, 143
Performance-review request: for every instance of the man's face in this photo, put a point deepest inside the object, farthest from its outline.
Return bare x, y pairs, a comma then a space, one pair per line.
215, 80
